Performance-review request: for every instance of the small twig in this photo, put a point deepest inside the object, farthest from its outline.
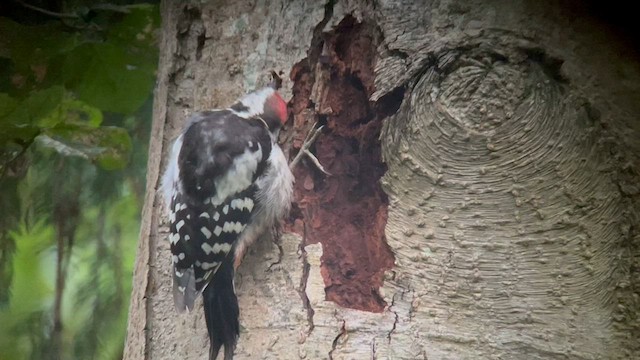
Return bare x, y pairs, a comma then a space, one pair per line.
305, 145
304, 150
316, 162
47, 12
124, 9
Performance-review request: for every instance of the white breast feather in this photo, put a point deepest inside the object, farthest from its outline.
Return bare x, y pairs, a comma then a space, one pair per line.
275, 193
170, 183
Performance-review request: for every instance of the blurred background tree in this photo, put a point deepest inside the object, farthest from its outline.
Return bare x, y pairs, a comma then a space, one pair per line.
76, 78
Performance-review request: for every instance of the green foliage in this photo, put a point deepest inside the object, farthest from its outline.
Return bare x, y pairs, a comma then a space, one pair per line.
108, 77
108, 146
7, 105
31, 45
30, 291
74, 124
97, 287
58, 78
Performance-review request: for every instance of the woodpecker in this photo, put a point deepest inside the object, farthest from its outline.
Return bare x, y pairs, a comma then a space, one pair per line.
227, 182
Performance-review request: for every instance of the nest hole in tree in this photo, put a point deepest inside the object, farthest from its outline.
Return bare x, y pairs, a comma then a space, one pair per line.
347, 211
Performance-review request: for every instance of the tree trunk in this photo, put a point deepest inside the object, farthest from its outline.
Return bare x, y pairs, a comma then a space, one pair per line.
483, 200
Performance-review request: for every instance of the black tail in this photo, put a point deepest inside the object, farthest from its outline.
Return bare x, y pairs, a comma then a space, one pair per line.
221, 311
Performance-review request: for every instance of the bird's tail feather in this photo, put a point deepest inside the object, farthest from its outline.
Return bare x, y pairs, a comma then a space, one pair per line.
221, 311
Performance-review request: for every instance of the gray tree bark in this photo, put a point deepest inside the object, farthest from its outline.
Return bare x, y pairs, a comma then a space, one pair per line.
484, 196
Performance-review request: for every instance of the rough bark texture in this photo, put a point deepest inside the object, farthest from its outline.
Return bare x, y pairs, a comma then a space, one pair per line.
484, 199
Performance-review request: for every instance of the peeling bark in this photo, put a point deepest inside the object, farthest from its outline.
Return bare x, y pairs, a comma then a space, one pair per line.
335, 92
503, 222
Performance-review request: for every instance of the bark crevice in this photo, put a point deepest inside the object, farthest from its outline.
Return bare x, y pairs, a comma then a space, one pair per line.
306, 268
336, 340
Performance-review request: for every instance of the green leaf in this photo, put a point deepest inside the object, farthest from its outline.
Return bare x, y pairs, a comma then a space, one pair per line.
7, 104
137, 28
108, 146
38, 105
29, 287
30, 290
117, 75
28, 45
20, 126
41, 110
16, 135
72, 111
105, 76
119, 148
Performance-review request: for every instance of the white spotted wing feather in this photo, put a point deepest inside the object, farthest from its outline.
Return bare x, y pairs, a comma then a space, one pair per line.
209, 214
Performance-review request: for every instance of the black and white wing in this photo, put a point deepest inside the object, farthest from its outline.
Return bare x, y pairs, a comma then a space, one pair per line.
210, 188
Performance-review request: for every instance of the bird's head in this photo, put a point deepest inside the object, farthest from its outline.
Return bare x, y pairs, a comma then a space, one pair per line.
265, 104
